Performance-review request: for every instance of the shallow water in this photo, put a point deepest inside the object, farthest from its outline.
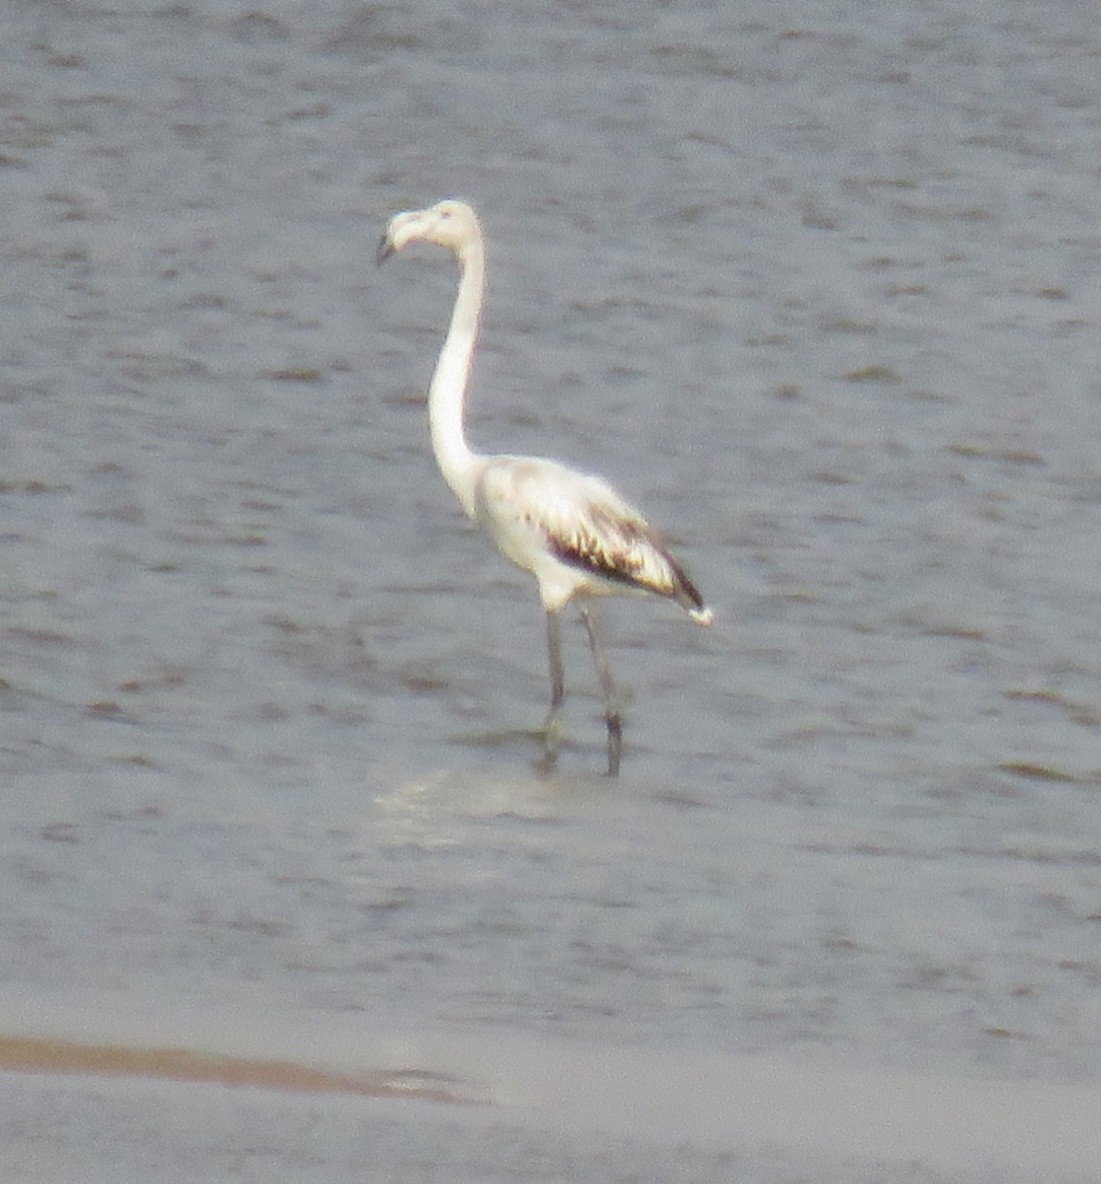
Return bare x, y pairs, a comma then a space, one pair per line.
819, 292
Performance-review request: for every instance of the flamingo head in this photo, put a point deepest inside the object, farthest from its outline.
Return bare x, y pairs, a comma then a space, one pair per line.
452, 224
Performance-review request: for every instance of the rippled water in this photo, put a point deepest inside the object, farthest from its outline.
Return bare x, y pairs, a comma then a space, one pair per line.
818, 289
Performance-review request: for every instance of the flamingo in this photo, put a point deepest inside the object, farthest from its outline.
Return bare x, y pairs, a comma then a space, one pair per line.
576, 535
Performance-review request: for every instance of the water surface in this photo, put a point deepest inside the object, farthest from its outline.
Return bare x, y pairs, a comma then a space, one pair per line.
817, 289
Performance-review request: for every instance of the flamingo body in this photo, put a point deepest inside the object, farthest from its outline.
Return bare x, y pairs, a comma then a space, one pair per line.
575, 534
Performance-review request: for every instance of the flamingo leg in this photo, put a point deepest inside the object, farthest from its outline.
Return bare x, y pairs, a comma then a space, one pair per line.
552, 728
612, 715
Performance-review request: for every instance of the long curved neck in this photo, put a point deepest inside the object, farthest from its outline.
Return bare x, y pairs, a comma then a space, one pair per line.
447, 393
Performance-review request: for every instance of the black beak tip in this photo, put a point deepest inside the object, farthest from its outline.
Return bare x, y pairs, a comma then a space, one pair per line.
384, 251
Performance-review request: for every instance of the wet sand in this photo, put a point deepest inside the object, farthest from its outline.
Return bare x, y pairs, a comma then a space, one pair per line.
24, 1054
756, 1109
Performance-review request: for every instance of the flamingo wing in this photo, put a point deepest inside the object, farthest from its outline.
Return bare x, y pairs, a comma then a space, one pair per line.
583, 523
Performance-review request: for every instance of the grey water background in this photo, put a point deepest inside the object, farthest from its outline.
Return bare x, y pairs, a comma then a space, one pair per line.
816, 285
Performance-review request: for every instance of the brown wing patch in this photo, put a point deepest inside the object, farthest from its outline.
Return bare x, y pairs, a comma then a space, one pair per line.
624, 551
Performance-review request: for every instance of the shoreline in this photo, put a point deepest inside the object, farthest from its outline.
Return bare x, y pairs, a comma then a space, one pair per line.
46, 1055
672, 1095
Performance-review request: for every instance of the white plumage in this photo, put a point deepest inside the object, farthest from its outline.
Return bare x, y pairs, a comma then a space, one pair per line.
573, 532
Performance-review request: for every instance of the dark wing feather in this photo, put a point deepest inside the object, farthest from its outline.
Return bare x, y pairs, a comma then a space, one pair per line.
626, 551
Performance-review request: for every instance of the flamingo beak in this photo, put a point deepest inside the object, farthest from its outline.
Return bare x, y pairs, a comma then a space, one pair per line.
385, 249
